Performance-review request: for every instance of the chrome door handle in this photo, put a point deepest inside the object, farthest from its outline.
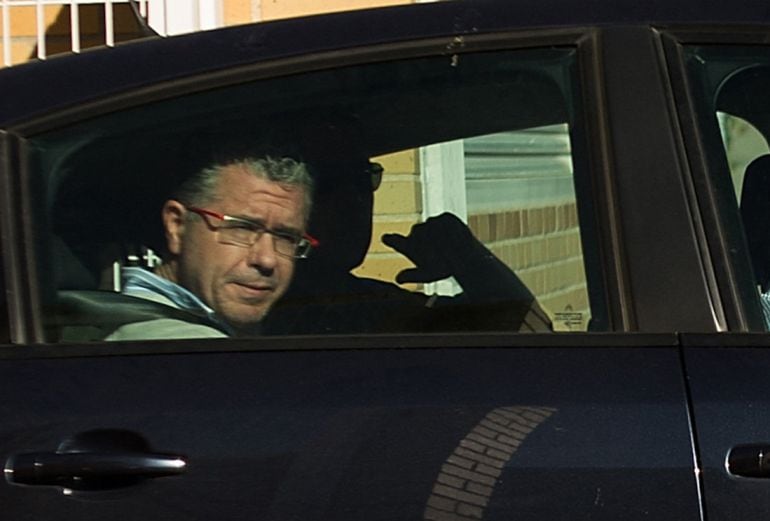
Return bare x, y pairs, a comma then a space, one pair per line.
52, 468
750, 461
95, 460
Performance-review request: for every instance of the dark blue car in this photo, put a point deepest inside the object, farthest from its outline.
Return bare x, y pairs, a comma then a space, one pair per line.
610, 156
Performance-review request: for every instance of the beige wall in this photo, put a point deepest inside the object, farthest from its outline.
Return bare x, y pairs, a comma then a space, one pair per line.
397, 207
274, 9
542, 245
56, 20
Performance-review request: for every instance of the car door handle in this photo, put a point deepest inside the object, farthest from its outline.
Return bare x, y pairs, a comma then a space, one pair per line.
52, 468
95, 460
750, 461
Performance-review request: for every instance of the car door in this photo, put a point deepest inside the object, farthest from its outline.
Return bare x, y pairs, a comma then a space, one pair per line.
457, 421
721, 80
360, 430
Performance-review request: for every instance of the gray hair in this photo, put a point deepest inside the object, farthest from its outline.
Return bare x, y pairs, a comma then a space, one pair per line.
200, 188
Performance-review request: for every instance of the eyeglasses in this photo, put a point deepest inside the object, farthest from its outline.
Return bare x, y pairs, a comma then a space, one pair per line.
243, 232
375, 171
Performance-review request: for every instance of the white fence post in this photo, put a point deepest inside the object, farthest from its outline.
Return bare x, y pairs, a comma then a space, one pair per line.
109, 24
442, 172
40, 28
6, 12
75, 25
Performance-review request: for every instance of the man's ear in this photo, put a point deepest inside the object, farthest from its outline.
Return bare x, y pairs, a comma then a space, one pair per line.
173, 216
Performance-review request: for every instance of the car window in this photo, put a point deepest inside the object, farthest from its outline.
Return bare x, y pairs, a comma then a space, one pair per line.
516, 193
449, 195
730, 85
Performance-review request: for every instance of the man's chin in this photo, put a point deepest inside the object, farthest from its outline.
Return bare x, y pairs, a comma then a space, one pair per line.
245, 320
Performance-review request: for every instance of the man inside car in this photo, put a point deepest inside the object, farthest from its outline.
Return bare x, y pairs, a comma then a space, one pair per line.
233, 233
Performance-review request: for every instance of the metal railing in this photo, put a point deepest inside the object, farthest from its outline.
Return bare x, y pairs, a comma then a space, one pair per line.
163, 17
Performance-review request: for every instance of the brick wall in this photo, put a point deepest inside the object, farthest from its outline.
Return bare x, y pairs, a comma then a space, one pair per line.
543, 246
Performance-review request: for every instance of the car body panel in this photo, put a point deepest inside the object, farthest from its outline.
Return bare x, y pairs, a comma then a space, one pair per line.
602, 426
727, 380
151, 61
376, 434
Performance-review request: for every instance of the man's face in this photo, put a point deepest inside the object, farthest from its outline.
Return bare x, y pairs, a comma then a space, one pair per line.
239, 283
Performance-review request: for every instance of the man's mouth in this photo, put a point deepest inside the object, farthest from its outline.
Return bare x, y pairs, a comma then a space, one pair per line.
254, 289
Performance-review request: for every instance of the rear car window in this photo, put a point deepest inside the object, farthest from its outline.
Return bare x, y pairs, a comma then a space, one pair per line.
730, 85
451, 193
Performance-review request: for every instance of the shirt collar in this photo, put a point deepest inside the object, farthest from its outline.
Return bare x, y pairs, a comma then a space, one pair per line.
139, 280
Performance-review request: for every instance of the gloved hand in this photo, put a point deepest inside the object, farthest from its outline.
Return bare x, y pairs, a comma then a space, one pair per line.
493, 295
444, 246
433, 248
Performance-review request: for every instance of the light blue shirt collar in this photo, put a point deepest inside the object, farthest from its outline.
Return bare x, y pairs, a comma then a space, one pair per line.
138, 282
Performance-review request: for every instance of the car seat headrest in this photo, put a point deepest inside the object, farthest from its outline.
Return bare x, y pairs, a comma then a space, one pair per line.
755, 211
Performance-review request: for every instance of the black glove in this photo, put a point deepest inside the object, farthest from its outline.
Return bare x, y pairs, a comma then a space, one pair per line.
444, 246
494, 298
431, 247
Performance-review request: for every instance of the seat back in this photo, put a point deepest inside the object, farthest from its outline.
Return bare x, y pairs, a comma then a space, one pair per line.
755, 211
85, 316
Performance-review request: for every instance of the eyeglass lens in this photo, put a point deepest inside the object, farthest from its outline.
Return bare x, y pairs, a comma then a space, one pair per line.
246, 234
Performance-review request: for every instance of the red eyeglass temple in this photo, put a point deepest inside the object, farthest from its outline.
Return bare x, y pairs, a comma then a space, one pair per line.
312, 240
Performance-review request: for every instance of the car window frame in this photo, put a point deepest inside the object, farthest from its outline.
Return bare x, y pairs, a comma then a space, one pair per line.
715, 213
666, 280
614, 279
12, 325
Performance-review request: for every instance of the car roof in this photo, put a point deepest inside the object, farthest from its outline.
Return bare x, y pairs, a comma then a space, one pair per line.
40, 87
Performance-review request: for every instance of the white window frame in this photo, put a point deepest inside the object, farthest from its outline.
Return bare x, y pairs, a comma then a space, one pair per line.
442, 173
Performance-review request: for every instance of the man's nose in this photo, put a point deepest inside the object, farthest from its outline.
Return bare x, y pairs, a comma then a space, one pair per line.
262, 254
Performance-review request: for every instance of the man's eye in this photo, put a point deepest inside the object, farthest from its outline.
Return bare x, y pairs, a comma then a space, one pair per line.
289, 238
242, 225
